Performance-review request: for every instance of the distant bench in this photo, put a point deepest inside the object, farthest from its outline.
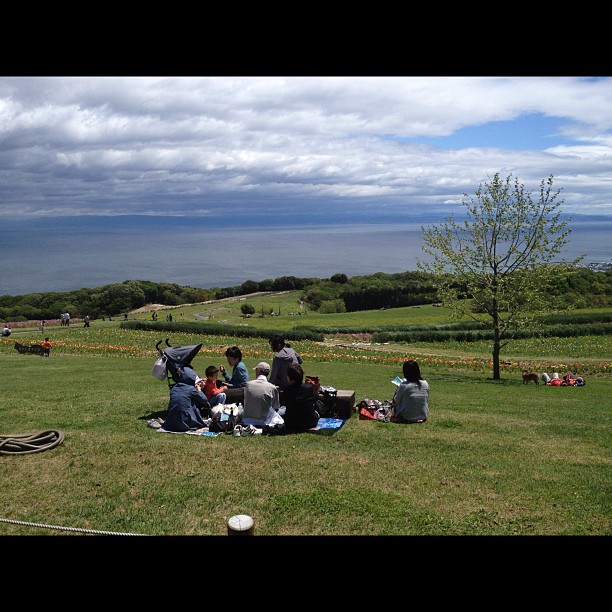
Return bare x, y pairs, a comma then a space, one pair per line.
37, 349
345, 399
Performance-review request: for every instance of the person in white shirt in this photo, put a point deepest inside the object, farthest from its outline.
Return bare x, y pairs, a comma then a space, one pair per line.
261, 399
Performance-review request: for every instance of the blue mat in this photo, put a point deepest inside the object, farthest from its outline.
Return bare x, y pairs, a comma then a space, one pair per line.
197, 432
327, 427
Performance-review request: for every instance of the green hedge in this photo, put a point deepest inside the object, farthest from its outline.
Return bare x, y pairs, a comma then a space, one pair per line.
576, 318
465, 331
570, 319
208, 329
425, 327
437, 335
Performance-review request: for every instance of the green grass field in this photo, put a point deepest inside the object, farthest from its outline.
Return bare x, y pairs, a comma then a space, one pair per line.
494, 458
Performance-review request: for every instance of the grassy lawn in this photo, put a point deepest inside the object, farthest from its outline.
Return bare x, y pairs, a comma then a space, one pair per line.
495, 458
292, 315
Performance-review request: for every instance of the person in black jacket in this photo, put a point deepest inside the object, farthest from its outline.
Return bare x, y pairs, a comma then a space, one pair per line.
299, 399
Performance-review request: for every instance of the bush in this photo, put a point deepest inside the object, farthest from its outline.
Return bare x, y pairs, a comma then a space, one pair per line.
247, 309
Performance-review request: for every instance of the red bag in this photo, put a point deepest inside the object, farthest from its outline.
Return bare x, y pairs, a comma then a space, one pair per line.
365, 414
374, 410
368, 409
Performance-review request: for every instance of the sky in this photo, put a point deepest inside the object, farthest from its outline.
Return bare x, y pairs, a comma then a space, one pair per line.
237, 146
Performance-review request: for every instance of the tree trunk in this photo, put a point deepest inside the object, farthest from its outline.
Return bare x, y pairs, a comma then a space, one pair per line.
496, 332
496, 350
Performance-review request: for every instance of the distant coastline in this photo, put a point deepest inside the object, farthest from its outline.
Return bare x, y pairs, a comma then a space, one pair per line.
64, 254
599, 266
284, 219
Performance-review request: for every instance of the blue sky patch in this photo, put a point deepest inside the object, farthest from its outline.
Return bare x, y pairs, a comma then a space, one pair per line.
529, 132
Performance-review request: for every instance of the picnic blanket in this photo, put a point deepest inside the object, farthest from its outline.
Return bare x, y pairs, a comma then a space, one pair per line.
325, 427
197, 432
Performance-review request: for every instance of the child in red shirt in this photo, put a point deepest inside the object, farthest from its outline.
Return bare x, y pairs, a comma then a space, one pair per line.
47, 347
214, 394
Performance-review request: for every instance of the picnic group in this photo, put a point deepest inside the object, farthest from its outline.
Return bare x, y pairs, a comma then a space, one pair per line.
277, 398
567, 380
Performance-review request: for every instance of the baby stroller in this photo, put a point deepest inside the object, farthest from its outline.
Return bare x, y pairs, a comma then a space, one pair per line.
174, 366
174, 363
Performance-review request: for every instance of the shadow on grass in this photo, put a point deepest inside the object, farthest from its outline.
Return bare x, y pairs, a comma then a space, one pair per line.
474, 377
158, 414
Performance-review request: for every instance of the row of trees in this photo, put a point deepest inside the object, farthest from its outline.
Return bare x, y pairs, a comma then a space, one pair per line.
375, 291
582, 288
109, 300
336, 294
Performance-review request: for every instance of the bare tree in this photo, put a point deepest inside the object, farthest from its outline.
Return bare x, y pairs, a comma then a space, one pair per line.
501, 260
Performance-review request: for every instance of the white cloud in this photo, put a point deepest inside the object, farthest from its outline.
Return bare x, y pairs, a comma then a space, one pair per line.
143, 144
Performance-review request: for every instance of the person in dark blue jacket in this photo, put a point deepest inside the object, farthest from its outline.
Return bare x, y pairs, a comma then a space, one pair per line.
185, 406
187, 375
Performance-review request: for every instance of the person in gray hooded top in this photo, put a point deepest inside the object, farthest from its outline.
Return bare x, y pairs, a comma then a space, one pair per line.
285, 356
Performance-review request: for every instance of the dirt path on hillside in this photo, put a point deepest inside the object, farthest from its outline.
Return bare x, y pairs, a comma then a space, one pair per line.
235, 298
150, 307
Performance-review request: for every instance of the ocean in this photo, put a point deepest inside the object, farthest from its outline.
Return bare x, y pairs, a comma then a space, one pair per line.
64, 254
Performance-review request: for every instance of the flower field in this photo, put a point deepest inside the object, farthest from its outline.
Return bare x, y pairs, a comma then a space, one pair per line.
586, 355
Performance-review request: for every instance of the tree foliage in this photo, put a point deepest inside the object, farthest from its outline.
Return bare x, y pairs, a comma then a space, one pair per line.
339, 278
247, 309
332, 306
110, 299
379, 290
503, 256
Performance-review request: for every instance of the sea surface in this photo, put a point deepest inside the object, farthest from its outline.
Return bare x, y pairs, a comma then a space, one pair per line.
63, 254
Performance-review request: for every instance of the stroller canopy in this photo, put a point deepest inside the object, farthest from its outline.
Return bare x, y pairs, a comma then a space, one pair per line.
178, 362
182, 355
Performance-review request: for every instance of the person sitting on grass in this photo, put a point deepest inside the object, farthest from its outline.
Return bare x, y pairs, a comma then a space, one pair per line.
214, 392
186, 374
240, 373
261, 400
299, 399
283, 358
410, 403
187, 402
